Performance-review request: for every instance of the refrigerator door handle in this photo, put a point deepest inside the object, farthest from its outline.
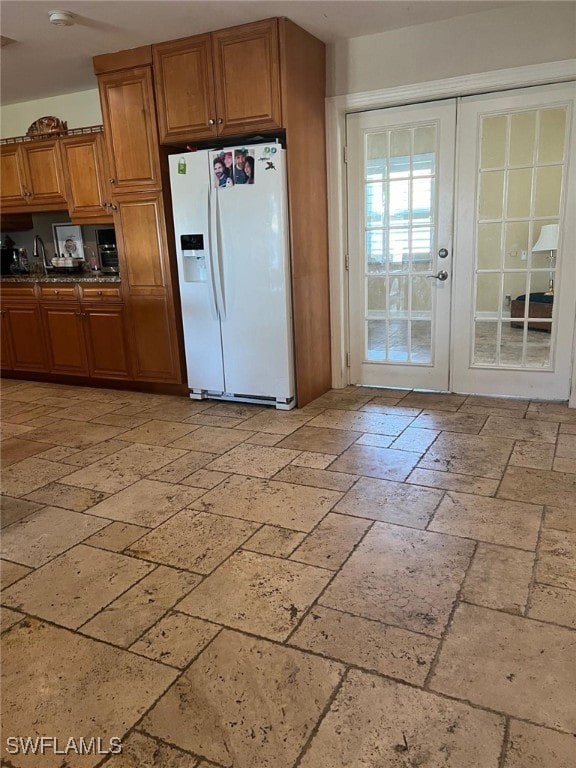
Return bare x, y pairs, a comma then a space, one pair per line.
217, 261
211, 282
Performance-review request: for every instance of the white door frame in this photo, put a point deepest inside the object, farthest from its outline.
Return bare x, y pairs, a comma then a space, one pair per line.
336, 109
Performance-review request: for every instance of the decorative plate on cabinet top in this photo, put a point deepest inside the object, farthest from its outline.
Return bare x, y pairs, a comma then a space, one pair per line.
46, 126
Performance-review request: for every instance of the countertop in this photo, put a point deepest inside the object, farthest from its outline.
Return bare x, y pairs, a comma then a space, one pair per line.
77, 277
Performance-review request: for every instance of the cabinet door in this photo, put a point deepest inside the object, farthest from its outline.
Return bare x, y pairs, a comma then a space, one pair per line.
105, 342
6, 363
44, 170
184, 87
22, 325
147, 287
64, 331
247, 78
127, 100
14, 185
85, 183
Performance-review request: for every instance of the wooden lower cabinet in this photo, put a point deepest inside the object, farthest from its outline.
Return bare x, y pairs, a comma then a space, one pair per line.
23, 338
154, 354
106, 342
60, 332
65, 337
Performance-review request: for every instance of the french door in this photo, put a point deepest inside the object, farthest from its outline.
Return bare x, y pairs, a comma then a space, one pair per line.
483, 301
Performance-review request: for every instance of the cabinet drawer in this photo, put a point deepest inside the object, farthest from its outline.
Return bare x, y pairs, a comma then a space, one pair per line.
58, 292
100, 293
17, 292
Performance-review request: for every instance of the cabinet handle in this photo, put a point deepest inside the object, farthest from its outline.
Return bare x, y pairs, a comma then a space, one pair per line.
220, 121
211, 121
56, 292
112, 181
99, 293
114, 207
78, 314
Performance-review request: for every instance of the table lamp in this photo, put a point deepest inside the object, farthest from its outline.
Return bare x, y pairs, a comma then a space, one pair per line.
548, 241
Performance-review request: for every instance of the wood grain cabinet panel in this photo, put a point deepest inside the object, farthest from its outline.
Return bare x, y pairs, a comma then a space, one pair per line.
65, 338
84, 177
223, 84
22, 328
153, 351
32, 176
105, 342
184, 87
139, 222
247, 78
6, 361
129, 112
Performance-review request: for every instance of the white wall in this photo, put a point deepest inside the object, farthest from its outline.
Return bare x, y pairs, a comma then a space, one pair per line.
480, 42
77, 109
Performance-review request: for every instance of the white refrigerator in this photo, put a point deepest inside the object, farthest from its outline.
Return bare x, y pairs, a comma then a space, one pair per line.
231, 230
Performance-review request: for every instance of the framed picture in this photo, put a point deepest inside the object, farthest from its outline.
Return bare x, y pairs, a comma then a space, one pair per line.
68, 240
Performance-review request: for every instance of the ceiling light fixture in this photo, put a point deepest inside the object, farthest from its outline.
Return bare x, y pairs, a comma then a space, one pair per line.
61, 18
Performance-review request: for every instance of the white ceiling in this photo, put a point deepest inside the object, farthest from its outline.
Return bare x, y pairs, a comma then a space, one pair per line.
47, 60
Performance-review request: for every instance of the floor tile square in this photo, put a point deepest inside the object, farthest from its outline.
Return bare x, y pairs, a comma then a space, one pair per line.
66, 496
254, 460
356, 421
211, 439
296, 507
94, 453
30, 474
452, 481
331, 542
317, 478
531, 747
176, 639
11, 572
279, 423
314, 460
256, 593
521, 429
271, 540
554, 605
124, 620
147, 503
436, 400
493, 520
42, 536
388, 650
116, 536
15, 449
414, 439
538, 487
556, 562
176, 471
403, 577
320, 439
12, 509
158, 432
238, 717
499, 578
390, 502
119, 470
377, 722
141, 751
68, 433
371, 461
533, 455
446, 421
522, 667
72, 588
77, 686
193, 540
469, 455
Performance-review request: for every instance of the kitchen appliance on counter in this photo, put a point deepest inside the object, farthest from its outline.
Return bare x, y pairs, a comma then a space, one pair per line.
232, 251
107, 250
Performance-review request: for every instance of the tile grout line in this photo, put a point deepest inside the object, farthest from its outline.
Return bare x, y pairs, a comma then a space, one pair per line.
457, 603
505, 743
532, 582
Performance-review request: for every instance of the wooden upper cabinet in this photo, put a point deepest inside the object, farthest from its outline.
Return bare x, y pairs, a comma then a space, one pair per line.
247, 78
84, 177
14, 183
128, 108
32, 175
184, 88
223, 84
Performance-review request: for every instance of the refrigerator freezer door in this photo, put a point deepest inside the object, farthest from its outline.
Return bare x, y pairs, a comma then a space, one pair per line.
190, 185
257, 324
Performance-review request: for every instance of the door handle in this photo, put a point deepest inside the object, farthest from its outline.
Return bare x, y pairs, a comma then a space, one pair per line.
442, 275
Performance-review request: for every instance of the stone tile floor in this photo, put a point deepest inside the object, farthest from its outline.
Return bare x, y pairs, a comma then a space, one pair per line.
381, 579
